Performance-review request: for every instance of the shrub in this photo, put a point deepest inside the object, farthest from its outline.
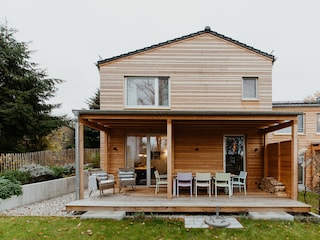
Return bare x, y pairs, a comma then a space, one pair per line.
95, 160
59, 172
9, 188
71, 168
38, 173
16, 175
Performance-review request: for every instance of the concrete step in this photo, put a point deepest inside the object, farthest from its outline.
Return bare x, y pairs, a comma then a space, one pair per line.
271, 216
115, 215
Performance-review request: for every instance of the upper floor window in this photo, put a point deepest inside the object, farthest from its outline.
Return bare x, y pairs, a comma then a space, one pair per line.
147, 91
318, 122
250, 88
287, 130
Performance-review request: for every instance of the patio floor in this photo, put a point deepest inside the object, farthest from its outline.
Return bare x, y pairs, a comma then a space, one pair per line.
145, 200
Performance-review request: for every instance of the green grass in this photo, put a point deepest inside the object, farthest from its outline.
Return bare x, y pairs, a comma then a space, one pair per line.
312, 199
153, 228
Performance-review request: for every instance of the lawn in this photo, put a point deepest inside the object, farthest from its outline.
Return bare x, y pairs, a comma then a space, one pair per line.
148, 228
312, 199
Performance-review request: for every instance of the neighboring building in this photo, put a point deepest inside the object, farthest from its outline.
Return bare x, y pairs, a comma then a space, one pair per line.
308, 139
200, 102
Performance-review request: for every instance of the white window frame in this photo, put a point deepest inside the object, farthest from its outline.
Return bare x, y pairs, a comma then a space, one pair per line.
318, 123
256, 94
156, 95
302, 130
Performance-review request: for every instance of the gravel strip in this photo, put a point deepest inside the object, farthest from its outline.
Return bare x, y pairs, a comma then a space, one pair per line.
51, 207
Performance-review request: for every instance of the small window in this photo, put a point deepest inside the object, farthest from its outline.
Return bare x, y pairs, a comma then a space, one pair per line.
147, 91
250, 88
318, 122
301, 123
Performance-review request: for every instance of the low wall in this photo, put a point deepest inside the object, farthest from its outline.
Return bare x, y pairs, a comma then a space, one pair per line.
37, 192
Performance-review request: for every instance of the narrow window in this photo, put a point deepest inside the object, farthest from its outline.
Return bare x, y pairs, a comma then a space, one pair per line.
250, 88
301, 123
318, 122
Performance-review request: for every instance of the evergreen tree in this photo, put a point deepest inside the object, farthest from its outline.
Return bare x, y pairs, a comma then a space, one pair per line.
25, 115
92, 137
94, 102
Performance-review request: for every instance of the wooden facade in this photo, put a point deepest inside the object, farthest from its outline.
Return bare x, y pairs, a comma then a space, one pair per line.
205, 72
206, 107
308, 139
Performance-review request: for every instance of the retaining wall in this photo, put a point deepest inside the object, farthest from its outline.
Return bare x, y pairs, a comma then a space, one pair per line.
37, 192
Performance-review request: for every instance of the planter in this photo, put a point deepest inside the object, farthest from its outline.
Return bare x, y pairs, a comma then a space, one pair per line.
37, 192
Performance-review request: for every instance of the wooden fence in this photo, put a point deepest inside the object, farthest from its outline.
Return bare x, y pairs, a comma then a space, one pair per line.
13, 161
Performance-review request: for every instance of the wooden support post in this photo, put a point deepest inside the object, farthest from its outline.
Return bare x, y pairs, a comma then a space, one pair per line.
104, 151
265, 156
279, 162
294, 155
81, 159
169, 158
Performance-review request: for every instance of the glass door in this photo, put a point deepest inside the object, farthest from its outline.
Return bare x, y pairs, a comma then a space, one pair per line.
147, 153
234, 154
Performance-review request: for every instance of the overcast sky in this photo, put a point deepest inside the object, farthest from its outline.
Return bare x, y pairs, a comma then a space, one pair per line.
70, 36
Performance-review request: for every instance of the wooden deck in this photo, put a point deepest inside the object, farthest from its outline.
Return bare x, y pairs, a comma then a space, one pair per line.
144, 200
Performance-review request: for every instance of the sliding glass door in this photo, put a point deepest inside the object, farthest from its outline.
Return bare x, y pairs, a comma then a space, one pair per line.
146, 153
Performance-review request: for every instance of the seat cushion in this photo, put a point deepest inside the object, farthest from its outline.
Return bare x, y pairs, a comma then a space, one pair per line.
104, 178
127, 179
106, 181
123, 175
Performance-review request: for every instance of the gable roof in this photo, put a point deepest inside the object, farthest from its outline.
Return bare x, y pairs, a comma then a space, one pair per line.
206, 30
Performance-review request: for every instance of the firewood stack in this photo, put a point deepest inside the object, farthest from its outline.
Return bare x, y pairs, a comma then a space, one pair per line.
271, 185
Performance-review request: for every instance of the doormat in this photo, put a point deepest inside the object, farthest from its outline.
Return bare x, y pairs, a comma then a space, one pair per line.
200, 222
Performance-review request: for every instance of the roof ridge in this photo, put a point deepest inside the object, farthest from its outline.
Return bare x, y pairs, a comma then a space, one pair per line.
177, 39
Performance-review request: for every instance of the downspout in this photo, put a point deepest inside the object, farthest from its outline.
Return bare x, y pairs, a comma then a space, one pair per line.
77, 154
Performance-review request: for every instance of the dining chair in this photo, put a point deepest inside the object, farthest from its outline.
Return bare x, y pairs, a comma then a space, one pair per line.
203, 180
184, 180
240, 181
160, 180
222, 180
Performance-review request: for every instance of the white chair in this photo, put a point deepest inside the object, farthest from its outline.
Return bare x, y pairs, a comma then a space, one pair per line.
222, 180
184, 180
160, 180
203, 180
240, 181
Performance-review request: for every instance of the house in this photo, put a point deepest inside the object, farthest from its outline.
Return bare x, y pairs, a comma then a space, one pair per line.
308, 138
200, 102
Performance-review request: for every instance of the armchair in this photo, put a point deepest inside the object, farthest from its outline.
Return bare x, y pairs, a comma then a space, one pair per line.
100, 180
105, 182
127, 177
